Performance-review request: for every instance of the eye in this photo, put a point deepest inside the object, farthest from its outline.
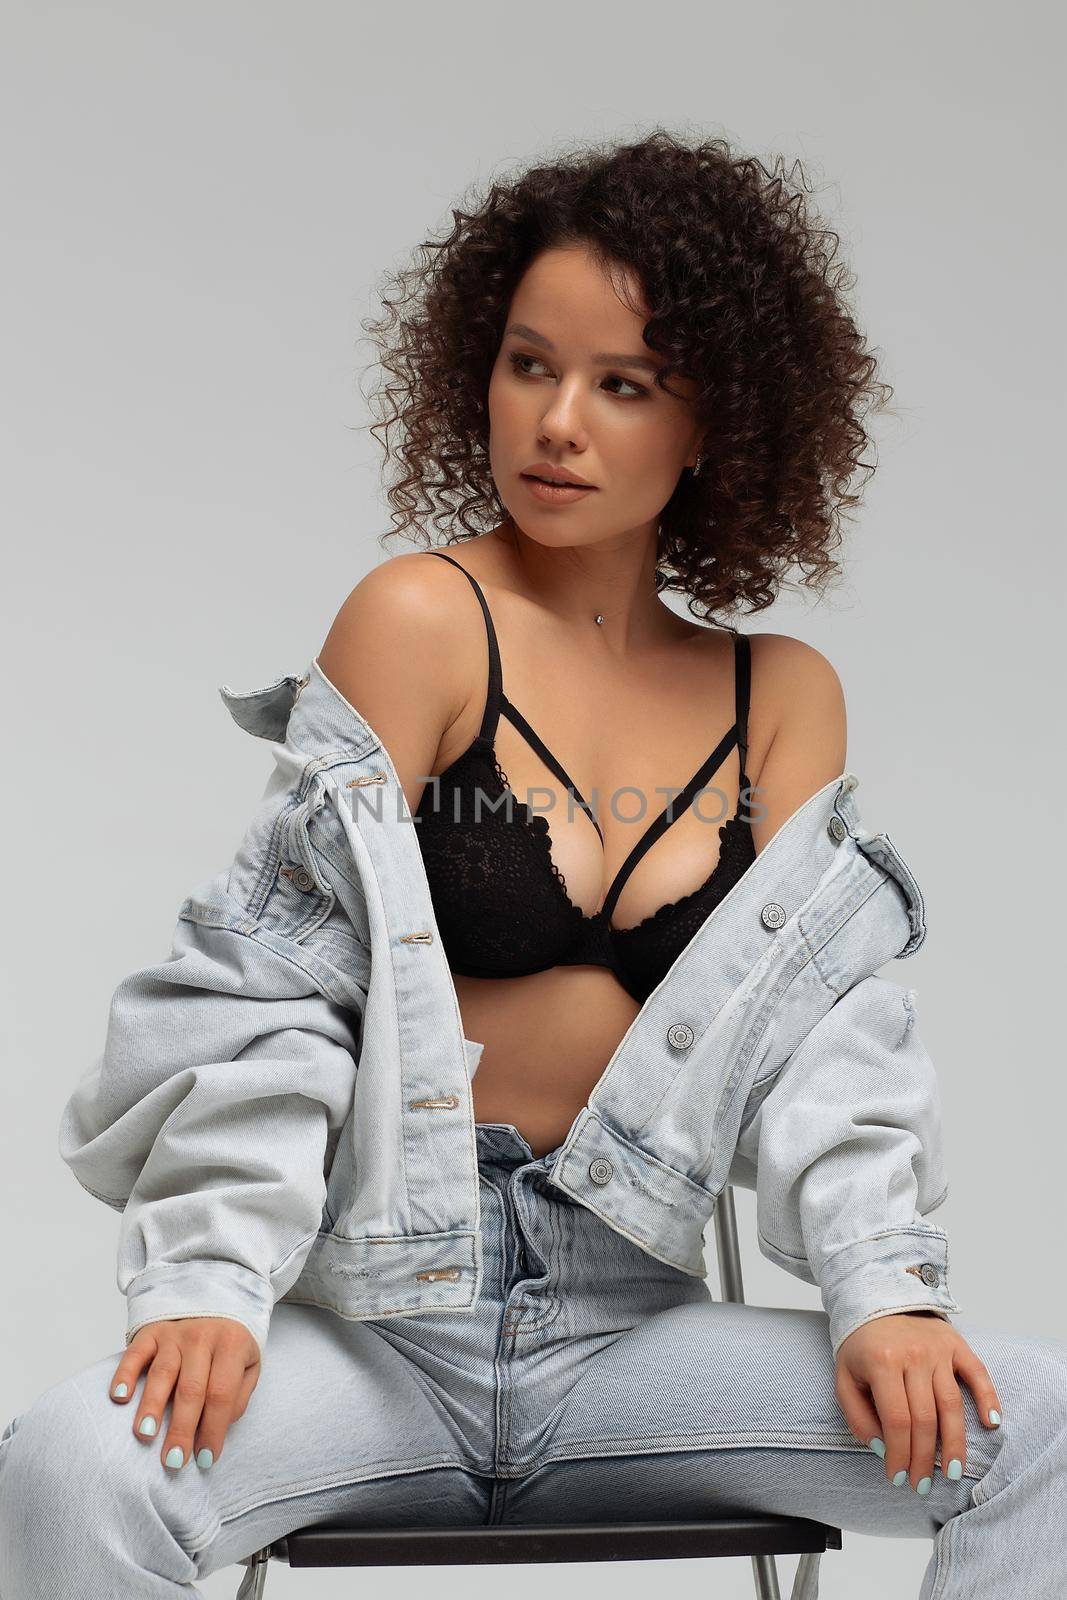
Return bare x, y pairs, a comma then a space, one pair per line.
636, 387
518, 356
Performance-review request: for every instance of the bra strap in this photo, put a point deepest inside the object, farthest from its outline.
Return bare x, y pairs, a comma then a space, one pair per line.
492, 701
743, 676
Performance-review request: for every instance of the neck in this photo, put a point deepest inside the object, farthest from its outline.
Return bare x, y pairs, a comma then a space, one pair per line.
615, 580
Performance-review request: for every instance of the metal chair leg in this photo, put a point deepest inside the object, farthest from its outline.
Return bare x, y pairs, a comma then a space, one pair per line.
806, 1581
766, 1575
733, 1289
254, 1580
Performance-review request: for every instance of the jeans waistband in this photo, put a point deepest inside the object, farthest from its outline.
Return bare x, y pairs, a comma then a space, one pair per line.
502, 1148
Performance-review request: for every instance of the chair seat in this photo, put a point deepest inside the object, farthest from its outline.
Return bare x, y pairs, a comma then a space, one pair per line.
337, 1545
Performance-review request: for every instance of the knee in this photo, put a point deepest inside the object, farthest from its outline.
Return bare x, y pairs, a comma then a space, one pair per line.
47, 1453
74, 1484
1029, 1372
71, 1461
1041, 1376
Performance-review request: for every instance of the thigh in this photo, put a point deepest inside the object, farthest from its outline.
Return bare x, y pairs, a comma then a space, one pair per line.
715, 1409
340, 1425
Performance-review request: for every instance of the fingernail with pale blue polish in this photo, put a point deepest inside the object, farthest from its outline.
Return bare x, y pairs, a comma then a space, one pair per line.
901, 1477
878, 1446
955, 1468
994, 1417
121, 1390
147, 1426
923, 1486
175, 1456
204, 1458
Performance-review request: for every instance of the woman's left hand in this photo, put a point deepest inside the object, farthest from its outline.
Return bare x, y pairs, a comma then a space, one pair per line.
897, 1380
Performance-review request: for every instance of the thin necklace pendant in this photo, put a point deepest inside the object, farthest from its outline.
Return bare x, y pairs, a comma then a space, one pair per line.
599, 618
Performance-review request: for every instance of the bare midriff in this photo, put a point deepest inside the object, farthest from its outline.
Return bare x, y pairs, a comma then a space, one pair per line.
547, 1038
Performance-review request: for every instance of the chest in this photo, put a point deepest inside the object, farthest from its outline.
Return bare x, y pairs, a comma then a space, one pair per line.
632, 776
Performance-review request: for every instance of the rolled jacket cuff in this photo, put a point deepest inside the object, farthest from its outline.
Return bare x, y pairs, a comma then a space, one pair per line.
899, 1269
172, 1290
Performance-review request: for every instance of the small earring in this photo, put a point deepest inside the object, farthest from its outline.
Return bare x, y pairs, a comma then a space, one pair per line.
698, 463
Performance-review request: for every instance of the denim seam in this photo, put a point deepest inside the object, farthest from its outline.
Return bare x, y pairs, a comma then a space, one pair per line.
724, 1439
228, 925
671, 1444
500, 1274
545, 1323
375, 1316
220, 1261
298, 1488
738, 1438
117, 1205
499, 1357
555, 1249
196, 1261
505, 1391
643, 1242
826, 941
689, 1186
553, 1300
418, 1237
883, 1233
943, 1549
305, 1244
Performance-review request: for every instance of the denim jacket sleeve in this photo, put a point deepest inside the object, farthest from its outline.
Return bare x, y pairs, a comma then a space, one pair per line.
226, 1077
845, 1143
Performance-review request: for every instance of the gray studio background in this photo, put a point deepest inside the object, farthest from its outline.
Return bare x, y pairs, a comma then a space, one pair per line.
198, 200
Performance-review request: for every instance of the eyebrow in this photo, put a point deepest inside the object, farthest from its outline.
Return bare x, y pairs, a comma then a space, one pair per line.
607, 360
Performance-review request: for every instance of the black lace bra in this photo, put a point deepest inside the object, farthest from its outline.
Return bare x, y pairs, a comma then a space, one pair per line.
501, 903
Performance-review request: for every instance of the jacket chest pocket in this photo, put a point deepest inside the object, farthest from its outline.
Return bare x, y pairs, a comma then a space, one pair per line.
314, 899
301, 898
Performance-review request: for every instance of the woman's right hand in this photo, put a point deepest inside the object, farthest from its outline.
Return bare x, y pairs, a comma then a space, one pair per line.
209, 1364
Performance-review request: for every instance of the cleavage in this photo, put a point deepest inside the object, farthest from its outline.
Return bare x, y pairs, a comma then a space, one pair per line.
676, 864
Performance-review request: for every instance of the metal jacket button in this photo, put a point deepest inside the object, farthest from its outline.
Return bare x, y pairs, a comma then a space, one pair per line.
299, 876
836, 828
680, 1035
772, 915
600, 1170
929, 1274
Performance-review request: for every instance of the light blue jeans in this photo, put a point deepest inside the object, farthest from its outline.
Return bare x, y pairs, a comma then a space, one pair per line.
590, 1382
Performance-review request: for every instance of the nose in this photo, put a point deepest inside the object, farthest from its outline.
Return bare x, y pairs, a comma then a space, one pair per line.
562, 421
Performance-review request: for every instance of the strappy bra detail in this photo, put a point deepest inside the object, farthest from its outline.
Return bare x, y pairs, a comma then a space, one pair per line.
501, 902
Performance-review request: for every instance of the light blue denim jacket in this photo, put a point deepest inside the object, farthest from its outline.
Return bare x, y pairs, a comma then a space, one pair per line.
283, 1109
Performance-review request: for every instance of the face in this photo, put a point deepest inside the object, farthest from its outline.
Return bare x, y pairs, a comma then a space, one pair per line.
572, 386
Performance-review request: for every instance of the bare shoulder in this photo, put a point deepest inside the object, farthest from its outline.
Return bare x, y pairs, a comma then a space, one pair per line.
786, 665
798, 704
397, 651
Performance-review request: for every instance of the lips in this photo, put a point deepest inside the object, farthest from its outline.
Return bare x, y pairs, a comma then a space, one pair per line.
561, 477
558, 483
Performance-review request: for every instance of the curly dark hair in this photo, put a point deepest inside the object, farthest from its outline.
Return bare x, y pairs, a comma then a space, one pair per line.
746, 300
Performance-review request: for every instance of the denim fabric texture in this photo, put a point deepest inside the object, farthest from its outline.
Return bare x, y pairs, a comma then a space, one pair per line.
589, 1381
303, 1043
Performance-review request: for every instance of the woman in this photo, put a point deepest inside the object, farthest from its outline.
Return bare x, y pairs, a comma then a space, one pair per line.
637, 366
